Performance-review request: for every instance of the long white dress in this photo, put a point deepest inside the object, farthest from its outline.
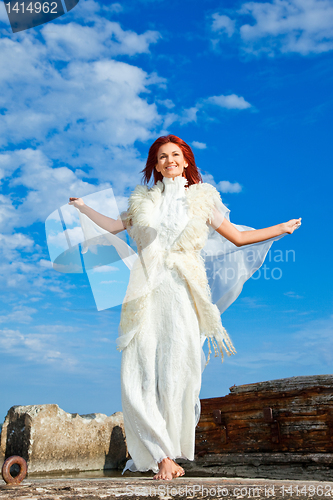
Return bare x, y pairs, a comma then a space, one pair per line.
162, 363
161, 367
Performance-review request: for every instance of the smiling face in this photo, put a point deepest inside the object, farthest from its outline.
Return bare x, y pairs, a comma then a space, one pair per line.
170, 160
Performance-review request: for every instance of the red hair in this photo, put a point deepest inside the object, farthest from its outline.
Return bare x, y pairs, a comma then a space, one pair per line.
191, 172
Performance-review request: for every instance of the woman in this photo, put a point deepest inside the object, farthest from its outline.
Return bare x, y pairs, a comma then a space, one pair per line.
165, 319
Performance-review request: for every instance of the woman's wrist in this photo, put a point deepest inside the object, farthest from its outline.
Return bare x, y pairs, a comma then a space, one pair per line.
282, 228
83, 208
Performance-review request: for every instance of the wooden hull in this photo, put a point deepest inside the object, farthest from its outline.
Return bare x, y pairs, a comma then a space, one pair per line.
286, 415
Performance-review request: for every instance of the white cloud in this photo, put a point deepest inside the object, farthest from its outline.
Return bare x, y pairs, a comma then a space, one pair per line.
52, 329
252, 302
199, 145
229, 187
20, 314
223, 186
7, 165
27, 276
36, 347
71, 122
223, 24
37, 174
20, 268
168, 120
189, 115
65, 41
166, 102
105, 269
310, 344
7, 210
192, 114
231, 101
280, 26
102, 339
78, 105
116, 7
17, 241
293, 295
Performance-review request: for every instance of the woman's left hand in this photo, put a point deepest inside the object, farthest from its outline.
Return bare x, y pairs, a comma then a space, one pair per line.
290, 226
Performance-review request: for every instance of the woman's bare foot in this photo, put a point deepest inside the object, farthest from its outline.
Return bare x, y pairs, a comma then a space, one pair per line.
169, 469
180, 470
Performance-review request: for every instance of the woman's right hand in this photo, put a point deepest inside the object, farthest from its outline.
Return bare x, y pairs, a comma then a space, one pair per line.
77, 202
290, 226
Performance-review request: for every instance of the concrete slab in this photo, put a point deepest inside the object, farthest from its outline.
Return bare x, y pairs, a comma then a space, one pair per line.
141, 488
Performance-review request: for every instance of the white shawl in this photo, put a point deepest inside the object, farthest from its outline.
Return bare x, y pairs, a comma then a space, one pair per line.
214, 268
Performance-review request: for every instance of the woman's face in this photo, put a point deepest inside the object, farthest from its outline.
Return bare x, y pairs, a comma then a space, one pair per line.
170, 160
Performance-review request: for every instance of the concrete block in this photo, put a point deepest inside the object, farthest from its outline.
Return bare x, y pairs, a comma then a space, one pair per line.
50, 439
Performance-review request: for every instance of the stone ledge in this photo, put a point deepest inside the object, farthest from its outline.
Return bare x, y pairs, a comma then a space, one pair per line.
180, 488
49, 439
285, 384
291, 466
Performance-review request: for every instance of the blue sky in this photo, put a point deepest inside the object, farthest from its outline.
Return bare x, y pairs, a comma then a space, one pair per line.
249, 86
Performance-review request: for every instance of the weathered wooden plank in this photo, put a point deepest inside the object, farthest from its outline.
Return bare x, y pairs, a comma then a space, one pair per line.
301, 417
290, 383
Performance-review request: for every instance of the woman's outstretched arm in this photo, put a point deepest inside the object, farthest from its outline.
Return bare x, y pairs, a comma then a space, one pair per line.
114, 226
240, 238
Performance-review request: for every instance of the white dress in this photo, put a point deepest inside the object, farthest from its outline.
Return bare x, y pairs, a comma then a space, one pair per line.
162, 362
161, 367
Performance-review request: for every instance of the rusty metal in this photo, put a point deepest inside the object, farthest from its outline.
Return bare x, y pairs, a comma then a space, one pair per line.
218, 419
217, 416
14, 460
224, 434
275, 426
268, 414
275, 432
